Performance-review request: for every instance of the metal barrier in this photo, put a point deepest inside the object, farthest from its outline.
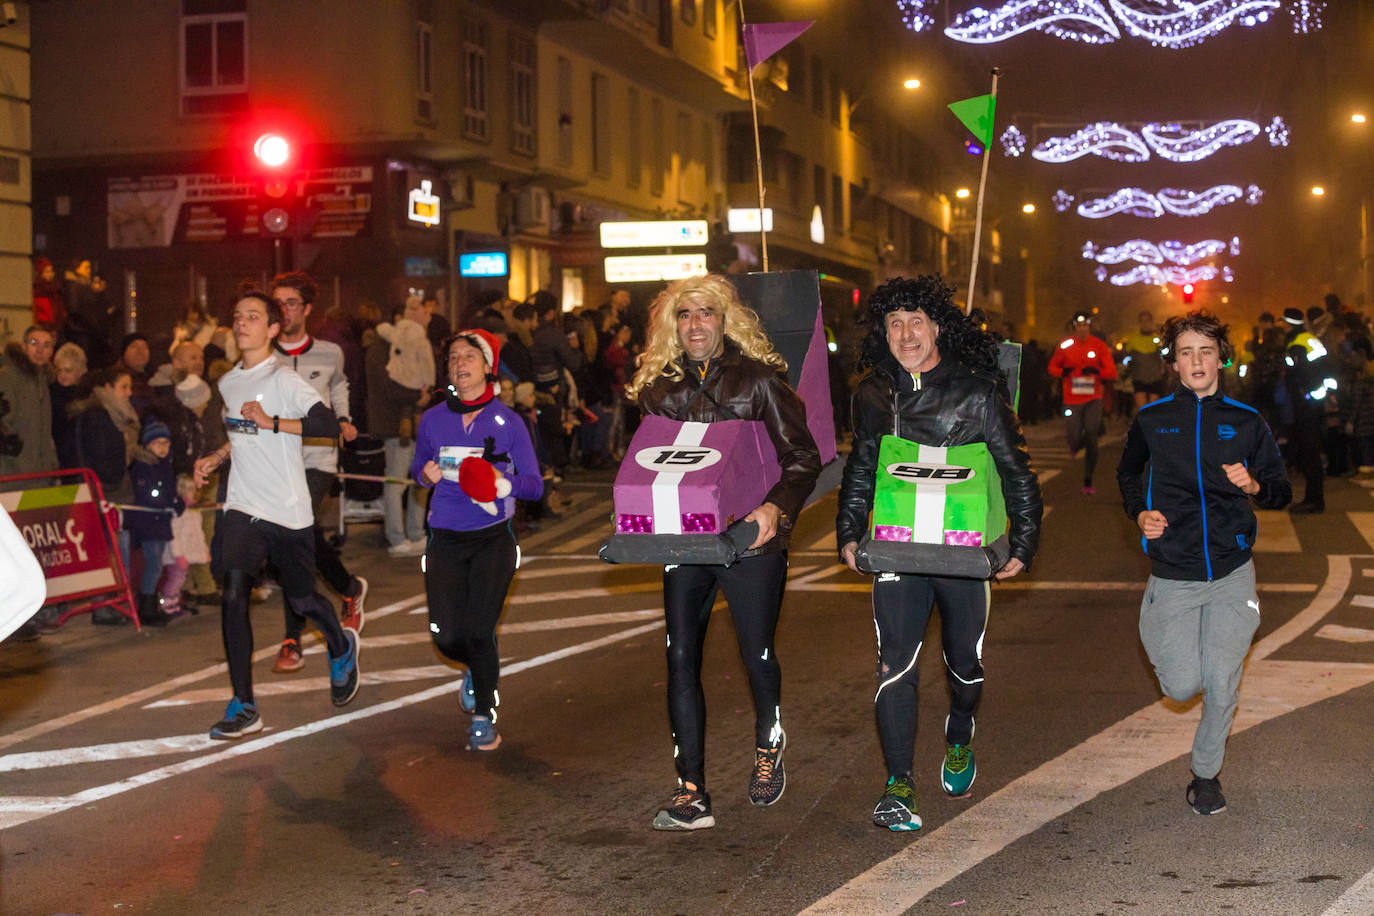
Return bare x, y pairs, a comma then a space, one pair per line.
72, 531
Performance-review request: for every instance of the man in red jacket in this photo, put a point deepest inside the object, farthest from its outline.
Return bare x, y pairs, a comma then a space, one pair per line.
1083, 361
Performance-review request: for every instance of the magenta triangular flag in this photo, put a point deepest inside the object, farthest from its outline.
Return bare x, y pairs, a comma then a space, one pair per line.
764, 39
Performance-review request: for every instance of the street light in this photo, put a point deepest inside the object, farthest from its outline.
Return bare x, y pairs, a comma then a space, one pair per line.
1318, 190
912, 84
1358, 117
1028, 208
962, 193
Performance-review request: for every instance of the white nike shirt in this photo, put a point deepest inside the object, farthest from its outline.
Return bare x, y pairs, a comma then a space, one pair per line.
267, 477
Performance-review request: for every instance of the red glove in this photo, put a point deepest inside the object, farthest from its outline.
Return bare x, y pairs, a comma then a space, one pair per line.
479, 481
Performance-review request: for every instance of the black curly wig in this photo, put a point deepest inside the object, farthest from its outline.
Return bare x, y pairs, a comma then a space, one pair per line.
962, 338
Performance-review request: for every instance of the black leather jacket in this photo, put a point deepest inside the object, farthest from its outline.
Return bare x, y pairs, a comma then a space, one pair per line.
949, 405
740, 388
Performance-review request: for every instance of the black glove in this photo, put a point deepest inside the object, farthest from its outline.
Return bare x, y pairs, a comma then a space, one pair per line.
1090, 370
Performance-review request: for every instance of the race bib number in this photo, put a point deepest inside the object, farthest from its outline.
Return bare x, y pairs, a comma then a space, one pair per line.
1083, 385
921, 472
240, 426
676, 459
450, 456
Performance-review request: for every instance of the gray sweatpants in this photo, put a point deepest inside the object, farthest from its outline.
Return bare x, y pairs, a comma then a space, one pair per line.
1197, 635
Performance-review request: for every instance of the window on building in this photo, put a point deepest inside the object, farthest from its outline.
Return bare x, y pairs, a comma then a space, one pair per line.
708, 152
817, 87
522, 86
424, 71
688, 10
658, 168
836, 101
634, 146
818, 188
796, 68
837, 205
475, 123
709, 17
601, 124
683, 145
214, 56
565, 112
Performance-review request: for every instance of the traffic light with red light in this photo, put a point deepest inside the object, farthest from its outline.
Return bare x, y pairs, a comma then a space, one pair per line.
1187, 293
272, 150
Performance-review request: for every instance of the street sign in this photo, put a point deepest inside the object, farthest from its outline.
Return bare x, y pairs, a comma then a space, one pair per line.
650, 268
654, 233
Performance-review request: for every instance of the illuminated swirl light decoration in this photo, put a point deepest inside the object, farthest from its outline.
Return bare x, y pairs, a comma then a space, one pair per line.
1175, 201
1062, 200
1166, 276
1105, 139
1146, 252
1170, 141
1164, 23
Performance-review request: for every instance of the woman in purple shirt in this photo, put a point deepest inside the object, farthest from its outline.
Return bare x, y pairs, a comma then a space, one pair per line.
477, 454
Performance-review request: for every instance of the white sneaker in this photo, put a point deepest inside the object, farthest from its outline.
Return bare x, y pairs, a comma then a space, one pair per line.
407, 549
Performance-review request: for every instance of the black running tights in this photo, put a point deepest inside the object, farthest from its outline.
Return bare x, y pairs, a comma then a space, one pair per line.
467, 575
753, 589
901, 611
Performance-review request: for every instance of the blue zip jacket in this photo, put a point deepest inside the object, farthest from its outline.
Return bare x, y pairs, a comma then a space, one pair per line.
1184, 440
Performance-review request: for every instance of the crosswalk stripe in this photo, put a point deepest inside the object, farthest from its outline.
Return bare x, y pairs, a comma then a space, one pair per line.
1276, 533
305, 685
1345, 634
1364, 524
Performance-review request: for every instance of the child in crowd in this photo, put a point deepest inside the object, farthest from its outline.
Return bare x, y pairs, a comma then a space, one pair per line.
188, 552
154, 484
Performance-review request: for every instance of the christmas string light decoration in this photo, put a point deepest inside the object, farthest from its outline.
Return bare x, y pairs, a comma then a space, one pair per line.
1166, 276
1176, 201
1062, 200
1013, 141
1173, 141
1172, 24
1073, 20
1105, 139
1146, 252
916, 14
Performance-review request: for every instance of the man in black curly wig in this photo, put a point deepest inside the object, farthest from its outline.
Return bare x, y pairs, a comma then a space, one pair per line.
934, 382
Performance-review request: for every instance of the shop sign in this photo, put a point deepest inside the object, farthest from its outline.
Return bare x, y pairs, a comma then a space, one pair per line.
653, 233
747, 219
651, 268
423, 204
483, 264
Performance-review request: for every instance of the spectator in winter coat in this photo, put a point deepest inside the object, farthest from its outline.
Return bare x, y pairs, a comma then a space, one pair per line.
410, 362
49, 305
135, 354
155, 487
26, 406
391, 416
69, 366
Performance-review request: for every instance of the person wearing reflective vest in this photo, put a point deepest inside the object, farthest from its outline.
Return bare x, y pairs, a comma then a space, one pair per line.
1193, 464
1307, 384
1083, 362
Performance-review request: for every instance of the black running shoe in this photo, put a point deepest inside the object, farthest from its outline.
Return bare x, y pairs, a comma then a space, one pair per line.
769, 778
896, 810
239, 719
690, 809
343, 671
1205, 796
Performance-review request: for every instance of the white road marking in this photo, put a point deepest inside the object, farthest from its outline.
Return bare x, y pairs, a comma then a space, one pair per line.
1364, 524
1046, 476
1345, 634
139, 696
120, 750
1147, 739
307, 685
1362, 601
1029, 585
15, 811
1358, 900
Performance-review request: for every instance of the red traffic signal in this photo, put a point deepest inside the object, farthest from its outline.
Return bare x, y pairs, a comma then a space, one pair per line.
1187, 292
272, 150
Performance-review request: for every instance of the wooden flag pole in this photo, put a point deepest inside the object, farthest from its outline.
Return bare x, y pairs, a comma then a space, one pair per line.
978, 218
758, 149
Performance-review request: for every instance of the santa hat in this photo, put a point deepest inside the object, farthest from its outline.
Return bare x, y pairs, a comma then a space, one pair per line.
490, 346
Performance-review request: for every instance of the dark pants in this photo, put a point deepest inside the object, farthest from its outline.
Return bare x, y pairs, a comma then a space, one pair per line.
467, 575
328, 563
248, 543
753, 588
901, 611
1305, 451
1082, 426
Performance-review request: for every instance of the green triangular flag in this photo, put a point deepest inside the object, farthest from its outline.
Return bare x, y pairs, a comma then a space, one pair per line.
976, 114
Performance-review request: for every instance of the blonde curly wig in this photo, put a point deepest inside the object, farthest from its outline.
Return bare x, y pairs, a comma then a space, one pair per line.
662, 355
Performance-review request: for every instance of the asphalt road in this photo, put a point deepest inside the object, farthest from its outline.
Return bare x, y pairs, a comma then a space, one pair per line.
114, 799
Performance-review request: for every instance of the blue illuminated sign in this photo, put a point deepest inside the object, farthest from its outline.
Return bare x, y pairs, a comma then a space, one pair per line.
482, 264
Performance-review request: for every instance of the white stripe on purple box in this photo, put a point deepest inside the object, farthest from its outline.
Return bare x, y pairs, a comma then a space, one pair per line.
667, 510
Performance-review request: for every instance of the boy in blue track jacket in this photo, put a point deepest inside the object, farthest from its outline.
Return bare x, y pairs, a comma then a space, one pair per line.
1208, 458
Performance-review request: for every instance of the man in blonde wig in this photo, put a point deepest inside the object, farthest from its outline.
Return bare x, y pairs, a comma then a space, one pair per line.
708, 360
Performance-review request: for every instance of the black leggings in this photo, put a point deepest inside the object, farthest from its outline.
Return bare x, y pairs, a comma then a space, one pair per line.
1082, 426
248, 542
467, 575
901, 610
753, 588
